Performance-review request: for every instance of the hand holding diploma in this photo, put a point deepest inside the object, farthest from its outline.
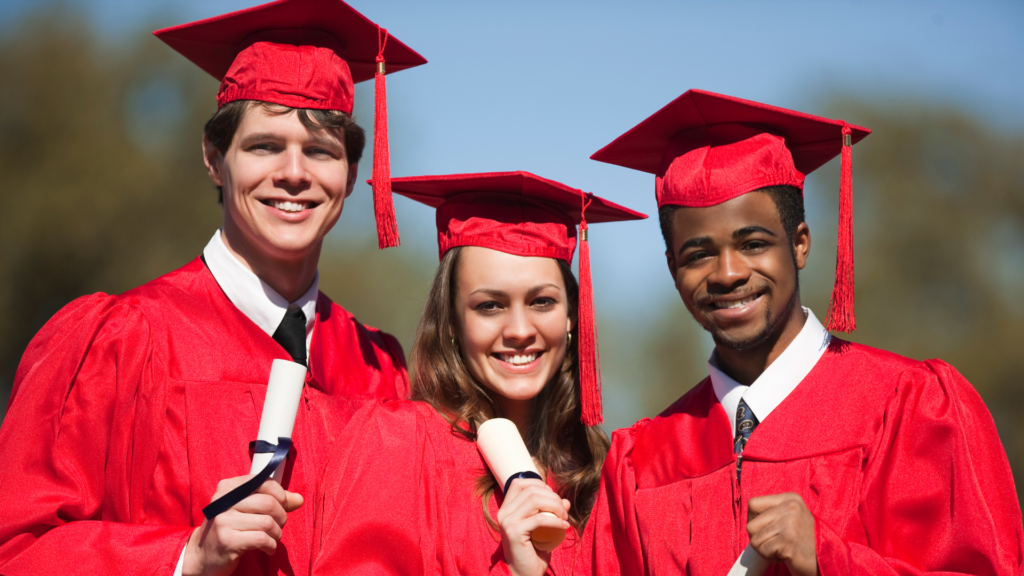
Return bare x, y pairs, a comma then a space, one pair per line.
240, 517
255, 523
532, 518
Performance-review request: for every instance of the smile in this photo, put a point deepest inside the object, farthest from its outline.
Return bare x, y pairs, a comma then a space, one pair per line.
517, 359
288, 205
735, 303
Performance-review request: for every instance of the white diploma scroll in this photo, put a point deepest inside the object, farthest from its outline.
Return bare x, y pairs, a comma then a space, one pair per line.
750, 563
505, 453
284, 391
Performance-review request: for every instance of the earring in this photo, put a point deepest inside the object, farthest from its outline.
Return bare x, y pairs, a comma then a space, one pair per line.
569, 334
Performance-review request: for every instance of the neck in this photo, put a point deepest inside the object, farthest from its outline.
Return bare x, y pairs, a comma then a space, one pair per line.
520, 412
745, 366
289, 277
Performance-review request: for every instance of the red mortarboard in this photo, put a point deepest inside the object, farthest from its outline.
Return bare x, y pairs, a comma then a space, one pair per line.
525, 215
707, 148
302, 54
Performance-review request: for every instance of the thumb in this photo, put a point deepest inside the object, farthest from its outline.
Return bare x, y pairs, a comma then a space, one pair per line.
293, 501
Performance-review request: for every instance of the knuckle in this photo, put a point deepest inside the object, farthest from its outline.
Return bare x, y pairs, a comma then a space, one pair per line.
265, 523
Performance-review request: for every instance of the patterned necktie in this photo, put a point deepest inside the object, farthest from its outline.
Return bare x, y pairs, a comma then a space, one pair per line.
291, 335
745, 424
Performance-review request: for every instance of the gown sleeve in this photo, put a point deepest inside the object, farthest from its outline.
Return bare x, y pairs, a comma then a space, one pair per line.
938, 494
401, 374
612, 533
65, 442
376, 516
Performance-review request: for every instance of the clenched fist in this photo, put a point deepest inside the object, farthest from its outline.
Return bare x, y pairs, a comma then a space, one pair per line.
781, 529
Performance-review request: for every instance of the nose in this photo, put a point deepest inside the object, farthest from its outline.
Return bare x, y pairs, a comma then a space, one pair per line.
731, 271
292, 173
519, 330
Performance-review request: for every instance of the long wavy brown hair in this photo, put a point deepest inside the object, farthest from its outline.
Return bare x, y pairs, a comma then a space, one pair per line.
558, 440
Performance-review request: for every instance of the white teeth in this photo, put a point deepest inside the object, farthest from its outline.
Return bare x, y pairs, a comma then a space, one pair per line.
737, 303
289, 206
519, 359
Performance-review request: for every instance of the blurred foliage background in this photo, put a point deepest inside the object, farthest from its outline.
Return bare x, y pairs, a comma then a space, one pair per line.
102, 188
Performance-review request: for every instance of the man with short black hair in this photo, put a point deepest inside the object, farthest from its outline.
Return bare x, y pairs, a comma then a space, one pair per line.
821, 455
130, 413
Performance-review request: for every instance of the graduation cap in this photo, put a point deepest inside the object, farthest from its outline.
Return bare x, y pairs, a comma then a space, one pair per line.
525, 215
303, 54
706, 148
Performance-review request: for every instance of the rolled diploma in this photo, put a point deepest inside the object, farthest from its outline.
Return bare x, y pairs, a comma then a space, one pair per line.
505, 453
284, 390
750, 563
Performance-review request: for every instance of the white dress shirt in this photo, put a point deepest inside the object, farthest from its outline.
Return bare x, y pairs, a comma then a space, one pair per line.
777, 381
256, 299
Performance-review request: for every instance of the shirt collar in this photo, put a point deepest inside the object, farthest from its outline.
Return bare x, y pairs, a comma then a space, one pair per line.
252, 296
780, 378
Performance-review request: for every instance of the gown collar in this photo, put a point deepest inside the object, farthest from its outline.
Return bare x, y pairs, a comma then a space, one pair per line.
252, 296
778, 380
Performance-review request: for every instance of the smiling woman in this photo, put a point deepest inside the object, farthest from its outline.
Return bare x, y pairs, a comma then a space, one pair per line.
506, 332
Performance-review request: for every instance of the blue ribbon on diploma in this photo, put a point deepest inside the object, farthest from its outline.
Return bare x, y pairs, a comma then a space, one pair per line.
227, 501
527, 474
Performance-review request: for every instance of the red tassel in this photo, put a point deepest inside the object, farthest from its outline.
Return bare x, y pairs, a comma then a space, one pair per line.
589, 356
383, 205
840, 312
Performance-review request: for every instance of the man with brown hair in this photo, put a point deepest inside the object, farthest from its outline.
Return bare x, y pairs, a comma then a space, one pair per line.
132, 412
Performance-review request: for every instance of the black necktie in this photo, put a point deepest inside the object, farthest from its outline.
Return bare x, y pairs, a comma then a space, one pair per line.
291, 335
745, 424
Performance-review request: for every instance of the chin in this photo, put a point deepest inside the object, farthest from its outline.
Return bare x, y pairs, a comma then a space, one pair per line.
744, 336
741, 339
519, 391
290, 243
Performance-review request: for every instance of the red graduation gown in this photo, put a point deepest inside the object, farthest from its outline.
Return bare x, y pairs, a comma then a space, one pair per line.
127, 410
898, 460
399, 498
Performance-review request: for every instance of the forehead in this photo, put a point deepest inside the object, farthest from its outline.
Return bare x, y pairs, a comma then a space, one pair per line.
263, 120
486, 268
753, 209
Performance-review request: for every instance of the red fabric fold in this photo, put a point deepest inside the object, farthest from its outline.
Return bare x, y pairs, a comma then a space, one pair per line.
906, 477
127, 410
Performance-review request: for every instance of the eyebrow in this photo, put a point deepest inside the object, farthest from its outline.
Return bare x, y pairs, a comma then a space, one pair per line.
748, 230
501, 293
253, 138
490, 292
695, 242
313, 139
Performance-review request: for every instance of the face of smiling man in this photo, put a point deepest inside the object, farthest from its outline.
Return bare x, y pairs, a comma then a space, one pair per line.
736, 271
284, 187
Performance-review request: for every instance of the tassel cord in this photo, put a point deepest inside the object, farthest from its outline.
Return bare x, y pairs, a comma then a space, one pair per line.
383, 204
841, 316
589, 356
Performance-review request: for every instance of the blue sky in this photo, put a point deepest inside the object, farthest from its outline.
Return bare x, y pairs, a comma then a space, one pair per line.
539, 86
